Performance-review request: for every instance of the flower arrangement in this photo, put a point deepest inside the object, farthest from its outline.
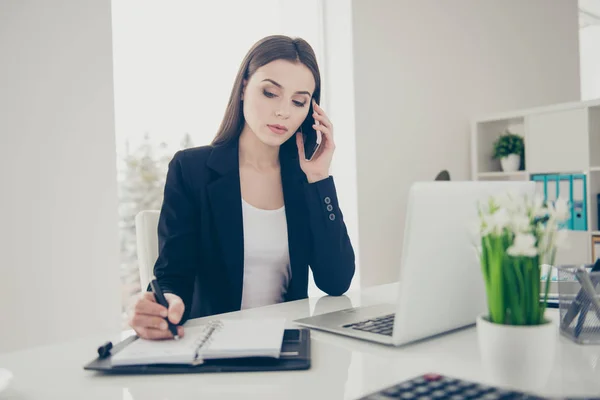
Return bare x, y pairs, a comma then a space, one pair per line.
518, 235
507, 144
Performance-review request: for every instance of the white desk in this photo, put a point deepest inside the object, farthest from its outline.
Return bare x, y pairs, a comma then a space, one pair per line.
342, 368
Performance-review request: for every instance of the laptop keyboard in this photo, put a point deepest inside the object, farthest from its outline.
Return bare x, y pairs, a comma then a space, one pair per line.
383, 325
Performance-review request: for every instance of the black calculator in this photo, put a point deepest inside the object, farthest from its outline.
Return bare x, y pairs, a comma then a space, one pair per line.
437, 387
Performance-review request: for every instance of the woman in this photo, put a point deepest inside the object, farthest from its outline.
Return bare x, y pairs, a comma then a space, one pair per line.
244, 218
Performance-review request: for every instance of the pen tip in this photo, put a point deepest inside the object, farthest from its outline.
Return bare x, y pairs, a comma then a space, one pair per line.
176, 337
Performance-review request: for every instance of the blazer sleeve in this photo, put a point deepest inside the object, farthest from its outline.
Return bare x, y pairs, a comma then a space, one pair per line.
332, 258
178, 236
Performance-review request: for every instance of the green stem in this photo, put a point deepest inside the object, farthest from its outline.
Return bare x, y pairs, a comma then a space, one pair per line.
518, 268
547, 288
533, 295
511, 288
497, 305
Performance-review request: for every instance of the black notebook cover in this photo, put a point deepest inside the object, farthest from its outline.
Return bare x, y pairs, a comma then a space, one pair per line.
295, 355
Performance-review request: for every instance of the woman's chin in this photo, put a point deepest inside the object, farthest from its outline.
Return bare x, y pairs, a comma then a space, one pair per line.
273, 139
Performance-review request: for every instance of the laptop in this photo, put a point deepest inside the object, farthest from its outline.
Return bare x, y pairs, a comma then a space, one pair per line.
441, 287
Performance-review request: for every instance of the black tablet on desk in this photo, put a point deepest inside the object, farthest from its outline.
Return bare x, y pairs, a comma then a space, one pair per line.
295, 355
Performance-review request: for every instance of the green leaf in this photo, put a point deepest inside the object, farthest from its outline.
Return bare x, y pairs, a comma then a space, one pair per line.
508, 143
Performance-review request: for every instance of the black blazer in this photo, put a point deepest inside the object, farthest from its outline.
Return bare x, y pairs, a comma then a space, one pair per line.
200, 232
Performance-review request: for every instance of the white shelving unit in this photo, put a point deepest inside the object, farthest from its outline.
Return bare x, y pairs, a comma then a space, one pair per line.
559, 139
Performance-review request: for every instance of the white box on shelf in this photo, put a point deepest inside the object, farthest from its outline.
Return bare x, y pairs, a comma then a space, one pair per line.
557, 141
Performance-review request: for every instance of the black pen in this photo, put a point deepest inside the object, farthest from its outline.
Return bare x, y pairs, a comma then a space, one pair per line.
160, 298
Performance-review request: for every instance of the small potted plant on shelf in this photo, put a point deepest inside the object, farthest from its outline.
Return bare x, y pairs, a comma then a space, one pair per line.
509, 148
519, 238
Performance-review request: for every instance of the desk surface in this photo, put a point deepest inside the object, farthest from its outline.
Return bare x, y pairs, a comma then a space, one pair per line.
342, 368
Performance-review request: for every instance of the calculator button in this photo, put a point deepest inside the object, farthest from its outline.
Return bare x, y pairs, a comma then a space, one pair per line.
491, 396
432, 377
378, 396
408, 396
483, 388
422, 390
471, 392
457, 397
439, 394
505, 395
436, 385
393, 391
452, 388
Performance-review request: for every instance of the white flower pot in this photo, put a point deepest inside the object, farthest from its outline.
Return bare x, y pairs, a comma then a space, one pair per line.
518, 357
511, 163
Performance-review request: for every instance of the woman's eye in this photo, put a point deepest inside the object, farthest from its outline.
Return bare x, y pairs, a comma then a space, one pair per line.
268, 94
299, 103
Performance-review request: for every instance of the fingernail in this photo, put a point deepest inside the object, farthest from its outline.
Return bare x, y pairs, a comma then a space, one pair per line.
163, 326
163, 313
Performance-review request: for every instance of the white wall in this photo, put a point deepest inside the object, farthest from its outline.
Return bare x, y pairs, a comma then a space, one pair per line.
422, 70
589, 44
59, 274
338, 89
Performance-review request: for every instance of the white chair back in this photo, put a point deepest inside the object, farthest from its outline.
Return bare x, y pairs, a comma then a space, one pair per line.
146, 226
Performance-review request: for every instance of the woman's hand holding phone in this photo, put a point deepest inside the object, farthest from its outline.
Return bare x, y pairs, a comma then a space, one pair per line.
317, 168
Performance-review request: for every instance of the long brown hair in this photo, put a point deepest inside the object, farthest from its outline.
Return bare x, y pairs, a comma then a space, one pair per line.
266, 50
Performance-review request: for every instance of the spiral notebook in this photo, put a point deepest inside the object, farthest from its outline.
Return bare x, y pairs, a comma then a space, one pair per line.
217, 339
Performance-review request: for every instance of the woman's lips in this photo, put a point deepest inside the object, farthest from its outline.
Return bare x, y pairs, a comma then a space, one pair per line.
278, 129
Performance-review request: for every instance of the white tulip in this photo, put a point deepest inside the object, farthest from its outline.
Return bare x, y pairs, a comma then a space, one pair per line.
520, 224
523, 245
510, 201
537, 207
560, 210
496, 222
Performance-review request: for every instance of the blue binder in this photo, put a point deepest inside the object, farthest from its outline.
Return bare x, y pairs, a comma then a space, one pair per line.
555, 186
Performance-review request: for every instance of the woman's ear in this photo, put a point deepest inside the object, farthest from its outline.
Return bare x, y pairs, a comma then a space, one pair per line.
244, 83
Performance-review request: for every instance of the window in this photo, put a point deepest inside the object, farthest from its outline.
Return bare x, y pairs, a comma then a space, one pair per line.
174, 66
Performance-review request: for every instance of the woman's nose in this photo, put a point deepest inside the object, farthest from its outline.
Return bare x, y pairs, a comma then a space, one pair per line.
282, 112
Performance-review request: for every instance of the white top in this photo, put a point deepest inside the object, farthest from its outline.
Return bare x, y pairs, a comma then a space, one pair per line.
267, 270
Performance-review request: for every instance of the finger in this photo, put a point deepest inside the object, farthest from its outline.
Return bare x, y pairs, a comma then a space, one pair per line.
153, 334
322, 119
148, 321
327, 135
149, 307
300, 145
176, 307
321, 114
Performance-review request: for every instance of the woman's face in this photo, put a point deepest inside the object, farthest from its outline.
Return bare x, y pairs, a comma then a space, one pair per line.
277, 100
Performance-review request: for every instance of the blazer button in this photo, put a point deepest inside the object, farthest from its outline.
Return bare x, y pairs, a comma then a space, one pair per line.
327, 200
332, 216
329, 207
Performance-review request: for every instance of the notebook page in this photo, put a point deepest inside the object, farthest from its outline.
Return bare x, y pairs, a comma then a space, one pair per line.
182, 351
245, 338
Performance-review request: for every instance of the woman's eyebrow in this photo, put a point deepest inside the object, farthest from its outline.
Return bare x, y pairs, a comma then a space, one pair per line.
281, 87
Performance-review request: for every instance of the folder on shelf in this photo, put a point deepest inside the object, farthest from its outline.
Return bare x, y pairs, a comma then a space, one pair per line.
579, 203
571, 187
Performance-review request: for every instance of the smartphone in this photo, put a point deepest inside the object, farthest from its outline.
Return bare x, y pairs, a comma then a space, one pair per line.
312, 138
